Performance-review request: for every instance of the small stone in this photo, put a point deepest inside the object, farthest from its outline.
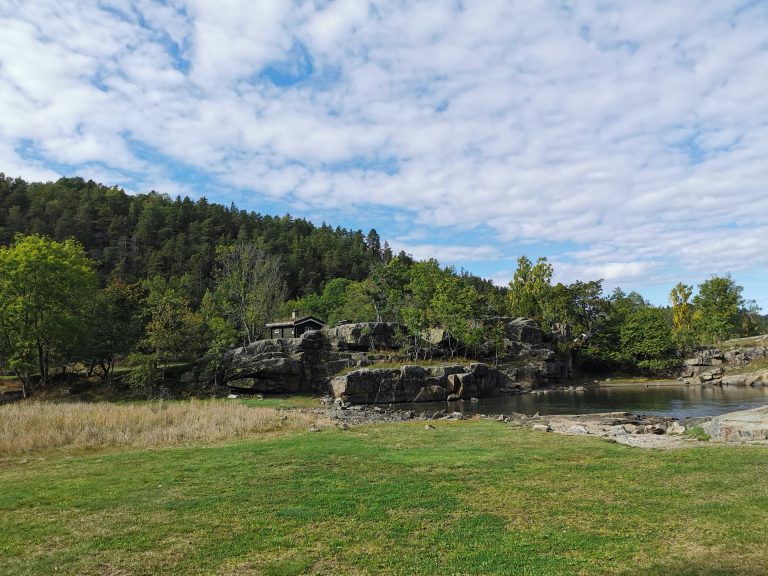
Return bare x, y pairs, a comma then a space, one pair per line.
675, 428
617, 431
577, 429
428, 427
473, 399
231, 396
500, 418
542, 428
313, 429
456, 416
344, 426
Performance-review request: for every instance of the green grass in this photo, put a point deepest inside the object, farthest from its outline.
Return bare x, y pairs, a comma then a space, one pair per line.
698, 433
758, 364
284, 402
472, 497
428, 363
628, 380
749, 341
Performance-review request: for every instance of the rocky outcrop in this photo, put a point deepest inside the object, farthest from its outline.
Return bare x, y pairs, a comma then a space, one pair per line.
756, 378
286, 364
421, 384
527, 358
308, 363
742, 426
363, 336
711, 366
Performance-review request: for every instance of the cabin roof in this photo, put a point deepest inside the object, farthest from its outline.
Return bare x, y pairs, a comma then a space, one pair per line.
296, 322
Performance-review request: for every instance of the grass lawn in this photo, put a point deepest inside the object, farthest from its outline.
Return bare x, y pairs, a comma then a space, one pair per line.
472, 497
284, 402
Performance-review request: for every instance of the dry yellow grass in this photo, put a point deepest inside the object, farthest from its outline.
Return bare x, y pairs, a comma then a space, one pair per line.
33, 426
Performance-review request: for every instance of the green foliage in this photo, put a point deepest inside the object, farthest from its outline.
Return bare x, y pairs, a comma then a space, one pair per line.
581, 305
231, 270
717, 309
698, 433
173, 332
529, 290
455, 306
249, 288
45, 290
114, 325
221, 334
134, 237
752, 323
603, 350
646, 339
341, 299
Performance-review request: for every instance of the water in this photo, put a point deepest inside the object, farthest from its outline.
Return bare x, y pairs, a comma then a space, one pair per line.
668, 400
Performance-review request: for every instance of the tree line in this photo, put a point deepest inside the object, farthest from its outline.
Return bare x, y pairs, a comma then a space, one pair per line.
84, 287
134, 237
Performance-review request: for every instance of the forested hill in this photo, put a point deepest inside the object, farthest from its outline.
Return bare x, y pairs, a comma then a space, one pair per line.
136, 237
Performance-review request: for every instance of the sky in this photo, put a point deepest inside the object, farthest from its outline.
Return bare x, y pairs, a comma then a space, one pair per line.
623, 140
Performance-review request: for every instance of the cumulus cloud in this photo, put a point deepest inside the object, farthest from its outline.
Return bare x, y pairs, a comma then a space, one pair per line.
635, 133
449, 253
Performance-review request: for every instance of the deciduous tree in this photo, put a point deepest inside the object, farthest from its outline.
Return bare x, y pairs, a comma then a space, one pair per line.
249, 288
45, 289
717, 309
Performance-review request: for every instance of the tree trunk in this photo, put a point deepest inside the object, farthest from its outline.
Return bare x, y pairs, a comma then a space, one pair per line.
42, 366
24, 379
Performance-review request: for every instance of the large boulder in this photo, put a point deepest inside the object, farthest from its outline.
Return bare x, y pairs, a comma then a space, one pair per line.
524, 331
284, 365
269, 375
742, 426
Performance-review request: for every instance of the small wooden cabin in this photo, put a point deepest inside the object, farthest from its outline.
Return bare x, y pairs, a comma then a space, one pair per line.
294, 327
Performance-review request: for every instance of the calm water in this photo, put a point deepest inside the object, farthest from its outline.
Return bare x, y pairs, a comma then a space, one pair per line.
674, 401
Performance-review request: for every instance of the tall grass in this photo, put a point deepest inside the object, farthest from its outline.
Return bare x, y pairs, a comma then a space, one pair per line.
33, 426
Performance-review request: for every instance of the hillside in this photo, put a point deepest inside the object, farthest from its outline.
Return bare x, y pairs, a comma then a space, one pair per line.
135, 237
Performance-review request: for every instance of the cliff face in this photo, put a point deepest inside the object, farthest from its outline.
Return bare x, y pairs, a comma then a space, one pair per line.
309, 363
287, 364
422, 384
717, 365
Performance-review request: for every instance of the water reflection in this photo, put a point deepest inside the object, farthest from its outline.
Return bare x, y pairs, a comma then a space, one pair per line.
674, 401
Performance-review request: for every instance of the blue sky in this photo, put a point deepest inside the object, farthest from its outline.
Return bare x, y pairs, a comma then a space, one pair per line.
621, 140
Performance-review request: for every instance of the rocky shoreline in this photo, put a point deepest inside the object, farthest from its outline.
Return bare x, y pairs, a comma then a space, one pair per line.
635, 430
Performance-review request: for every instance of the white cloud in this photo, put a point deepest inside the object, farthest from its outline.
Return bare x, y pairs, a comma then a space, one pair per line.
639, 140
449, 254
